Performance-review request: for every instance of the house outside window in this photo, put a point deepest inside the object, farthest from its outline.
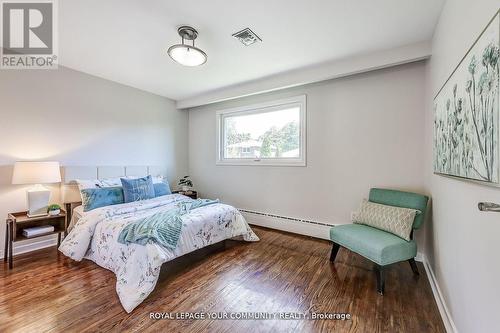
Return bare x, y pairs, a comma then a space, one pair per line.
271, 133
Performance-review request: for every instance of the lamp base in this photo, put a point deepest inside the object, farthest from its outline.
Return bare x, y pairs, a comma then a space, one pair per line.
38, 201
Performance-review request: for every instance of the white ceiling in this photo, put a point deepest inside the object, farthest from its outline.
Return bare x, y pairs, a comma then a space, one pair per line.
126, 40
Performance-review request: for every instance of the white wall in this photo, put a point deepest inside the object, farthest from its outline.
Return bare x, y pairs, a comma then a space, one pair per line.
78, 119
462, 243
363, 131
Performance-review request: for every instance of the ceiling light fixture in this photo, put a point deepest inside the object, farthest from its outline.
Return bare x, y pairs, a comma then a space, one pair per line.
184, 54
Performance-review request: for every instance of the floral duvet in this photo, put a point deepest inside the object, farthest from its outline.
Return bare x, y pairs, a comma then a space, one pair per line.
137, 267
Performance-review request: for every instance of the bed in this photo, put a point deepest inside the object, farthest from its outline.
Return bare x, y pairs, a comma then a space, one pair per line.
93, 235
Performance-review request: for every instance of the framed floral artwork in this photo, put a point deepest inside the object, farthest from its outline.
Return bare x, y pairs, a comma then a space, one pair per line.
466, 113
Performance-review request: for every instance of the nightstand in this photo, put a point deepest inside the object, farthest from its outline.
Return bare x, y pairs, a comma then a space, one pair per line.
191, 194
16, 222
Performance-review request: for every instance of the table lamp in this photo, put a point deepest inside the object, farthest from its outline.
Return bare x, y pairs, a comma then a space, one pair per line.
37, 173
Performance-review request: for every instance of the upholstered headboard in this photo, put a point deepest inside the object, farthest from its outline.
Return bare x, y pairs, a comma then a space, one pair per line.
69, 189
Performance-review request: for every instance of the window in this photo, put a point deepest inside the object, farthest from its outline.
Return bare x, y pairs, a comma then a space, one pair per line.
272, 133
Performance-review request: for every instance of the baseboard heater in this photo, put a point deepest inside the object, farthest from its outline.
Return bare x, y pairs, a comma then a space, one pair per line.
285, 217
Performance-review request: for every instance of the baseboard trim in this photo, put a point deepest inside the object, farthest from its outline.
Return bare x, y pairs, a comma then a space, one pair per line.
26, 246
449, 324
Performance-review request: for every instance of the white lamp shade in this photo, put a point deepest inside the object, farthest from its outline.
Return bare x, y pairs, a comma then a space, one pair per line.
36, 173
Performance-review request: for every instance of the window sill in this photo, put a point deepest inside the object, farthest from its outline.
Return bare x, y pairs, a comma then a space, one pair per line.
280, 163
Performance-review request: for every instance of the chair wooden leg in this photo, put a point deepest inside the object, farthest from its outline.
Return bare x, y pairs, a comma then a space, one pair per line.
335, 250
380, 272
414, 267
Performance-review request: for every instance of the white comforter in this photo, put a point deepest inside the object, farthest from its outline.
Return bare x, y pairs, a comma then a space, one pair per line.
137, 267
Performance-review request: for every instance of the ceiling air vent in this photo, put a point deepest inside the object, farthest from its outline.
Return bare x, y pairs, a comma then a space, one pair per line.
247, 36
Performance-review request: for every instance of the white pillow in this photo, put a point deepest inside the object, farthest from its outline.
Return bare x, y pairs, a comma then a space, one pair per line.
156, 179
396, 220
110, 182
95, 183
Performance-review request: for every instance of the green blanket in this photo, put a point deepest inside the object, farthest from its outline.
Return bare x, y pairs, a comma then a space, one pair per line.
163, 228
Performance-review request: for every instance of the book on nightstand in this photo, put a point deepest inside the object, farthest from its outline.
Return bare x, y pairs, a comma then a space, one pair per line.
37, 231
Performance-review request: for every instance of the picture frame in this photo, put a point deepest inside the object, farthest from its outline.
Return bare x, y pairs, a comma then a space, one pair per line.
466, 113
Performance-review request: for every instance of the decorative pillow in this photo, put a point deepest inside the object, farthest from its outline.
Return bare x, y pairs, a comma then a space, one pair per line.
138, 189
93, 198
396, 220
161, 189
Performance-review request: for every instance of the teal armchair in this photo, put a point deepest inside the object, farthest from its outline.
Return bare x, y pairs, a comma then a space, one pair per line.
381, 247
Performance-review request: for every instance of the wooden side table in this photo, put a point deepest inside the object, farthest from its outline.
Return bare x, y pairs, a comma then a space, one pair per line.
16, 222
191, 194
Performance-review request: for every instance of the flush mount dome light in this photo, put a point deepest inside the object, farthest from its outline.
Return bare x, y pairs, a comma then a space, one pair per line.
187, 55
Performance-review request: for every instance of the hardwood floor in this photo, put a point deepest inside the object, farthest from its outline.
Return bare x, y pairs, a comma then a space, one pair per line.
47, 292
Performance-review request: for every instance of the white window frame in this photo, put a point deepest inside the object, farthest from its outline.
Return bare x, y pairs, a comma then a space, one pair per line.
295, 101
